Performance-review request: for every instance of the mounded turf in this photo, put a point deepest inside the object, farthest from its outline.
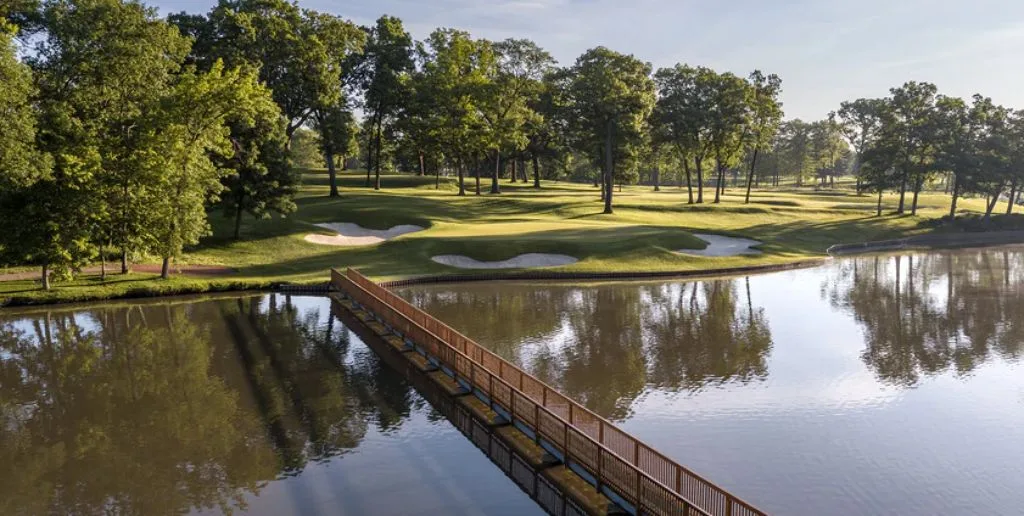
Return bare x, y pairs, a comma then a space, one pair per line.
561, 218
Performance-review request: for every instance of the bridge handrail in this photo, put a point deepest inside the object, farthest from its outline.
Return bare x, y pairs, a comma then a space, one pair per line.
639, 488
693, 491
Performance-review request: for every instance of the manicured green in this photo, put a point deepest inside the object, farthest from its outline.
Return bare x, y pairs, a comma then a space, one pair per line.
794, 224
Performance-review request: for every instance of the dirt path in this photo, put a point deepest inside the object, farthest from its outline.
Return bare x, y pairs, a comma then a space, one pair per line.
114, 269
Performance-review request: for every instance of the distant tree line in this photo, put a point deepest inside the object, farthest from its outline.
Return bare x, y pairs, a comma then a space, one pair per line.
122, 130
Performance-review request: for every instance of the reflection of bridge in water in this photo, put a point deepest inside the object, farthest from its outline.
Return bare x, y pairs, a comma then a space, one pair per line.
586, 464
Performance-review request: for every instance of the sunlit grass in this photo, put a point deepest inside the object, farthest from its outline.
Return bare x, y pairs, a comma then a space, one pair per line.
565, 218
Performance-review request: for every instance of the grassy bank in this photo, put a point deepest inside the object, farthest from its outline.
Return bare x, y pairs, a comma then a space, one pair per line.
641, 235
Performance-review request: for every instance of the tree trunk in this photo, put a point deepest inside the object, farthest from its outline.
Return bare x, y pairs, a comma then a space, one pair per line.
750, 176
369, 160
476, 175
238, 222
511, 164
657, 178
165, 269
495, 186
437, 176
917, 191
343, 160
689, 182
956, 196
1013, 195
608, 169
992, 202
903, 194
46, 276
718, 184
124, 260
103, 263
536, 172
376, 181
879, 211
332, 175
700, 182
462, 178
423, 166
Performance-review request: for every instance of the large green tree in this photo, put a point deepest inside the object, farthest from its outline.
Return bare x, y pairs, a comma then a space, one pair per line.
454, 81
303, 55
21, 164
765, 117
194, 126
611, 95
383, 75
859, 122
259, 178
514, 88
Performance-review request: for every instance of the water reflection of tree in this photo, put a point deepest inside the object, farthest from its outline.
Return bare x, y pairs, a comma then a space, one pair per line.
95, 423
605, 345
924, 315
156, 409
704, 335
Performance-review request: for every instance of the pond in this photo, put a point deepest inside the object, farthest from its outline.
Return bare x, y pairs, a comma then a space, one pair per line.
868, 385
258, 404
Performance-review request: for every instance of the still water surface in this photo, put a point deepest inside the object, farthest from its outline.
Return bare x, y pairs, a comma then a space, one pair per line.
263, 405
869, 385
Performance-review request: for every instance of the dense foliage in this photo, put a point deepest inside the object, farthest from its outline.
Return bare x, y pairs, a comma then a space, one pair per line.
122, 131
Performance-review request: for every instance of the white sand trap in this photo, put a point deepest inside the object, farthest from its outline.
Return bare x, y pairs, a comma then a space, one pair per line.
519, 262
349, 234
719, 245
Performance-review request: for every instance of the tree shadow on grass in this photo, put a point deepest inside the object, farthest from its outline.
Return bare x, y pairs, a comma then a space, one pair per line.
816, 237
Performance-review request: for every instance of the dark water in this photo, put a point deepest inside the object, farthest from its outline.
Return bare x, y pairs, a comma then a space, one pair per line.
259, 405
872, 385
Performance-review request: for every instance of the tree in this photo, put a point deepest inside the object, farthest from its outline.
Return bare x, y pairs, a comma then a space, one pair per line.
21, 164
125, 59
765, 117
303, 56
546, 132
859, 122
336, 129
514, 87
453, 81
730, 123
827, 149
384, 73
910, 121
259, 177
682, 116
610, 97
795, 148
101, 66
192, 127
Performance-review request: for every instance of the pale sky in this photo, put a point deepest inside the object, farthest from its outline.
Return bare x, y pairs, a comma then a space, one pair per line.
825, 51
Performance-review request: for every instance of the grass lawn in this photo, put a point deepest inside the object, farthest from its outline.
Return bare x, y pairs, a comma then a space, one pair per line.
647, 226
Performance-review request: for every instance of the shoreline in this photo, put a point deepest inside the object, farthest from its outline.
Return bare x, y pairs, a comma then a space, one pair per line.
198, 285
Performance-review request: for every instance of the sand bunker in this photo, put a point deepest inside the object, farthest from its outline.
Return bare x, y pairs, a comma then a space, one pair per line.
719, 245
349, 234
519, 262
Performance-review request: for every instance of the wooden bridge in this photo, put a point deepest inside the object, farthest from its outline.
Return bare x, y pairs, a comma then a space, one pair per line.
603, 468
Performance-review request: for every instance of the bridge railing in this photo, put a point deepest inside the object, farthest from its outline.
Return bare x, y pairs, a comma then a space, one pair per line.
646, 478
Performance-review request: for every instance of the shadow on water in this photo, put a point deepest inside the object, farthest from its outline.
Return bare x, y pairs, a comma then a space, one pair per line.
159, 408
